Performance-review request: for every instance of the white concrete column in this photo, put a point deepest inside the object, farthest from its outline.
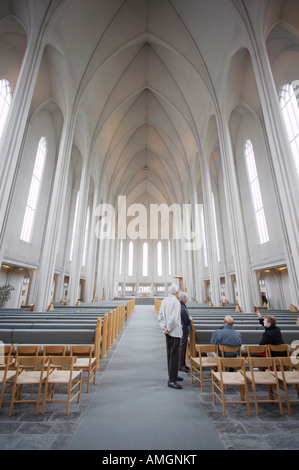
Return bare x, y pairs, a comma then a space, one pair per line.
92, 250
76, 263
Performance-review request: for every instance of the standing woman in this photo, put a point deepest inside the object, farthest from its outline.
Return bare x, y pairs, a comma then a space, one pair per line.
186, 323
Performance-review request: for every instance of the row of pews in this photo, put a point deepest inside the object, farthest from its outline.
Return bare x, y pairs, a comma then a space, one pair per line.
98, 324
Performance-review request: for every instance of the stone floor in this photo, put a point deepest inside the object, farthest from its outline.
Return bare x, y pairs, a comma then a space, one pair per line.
238, 431
53, 430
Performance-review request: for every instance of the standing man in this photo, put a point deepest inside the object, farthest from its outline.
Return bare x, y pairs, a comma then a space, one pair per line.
169, 319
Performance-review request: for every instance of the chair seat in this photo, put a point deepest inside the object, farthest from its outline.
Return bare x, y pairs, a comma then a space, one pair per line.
83, 362
265, 377
291, 377
10, 374
30, 377
62, 376
230, 378
205, 361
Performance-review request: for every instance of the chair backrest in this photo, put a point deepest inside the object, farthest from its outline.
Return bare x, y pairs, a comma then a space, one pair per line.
206, 348
230, 362
8, 350
192, 340
62, 361
28, 350
287, 363
236, 350
278, 350
82, 350
55, 350
256, 349
263, 362
30, 362
5, 362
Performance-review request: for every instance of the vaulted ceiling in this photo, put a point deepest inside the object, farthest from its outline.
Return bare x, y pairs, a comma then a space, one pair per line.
144, 78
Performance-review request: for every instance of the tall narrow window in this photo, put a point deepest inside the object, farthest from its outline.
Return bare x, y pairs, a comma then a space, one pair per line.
131, 259
159, 258
145, 259
74, 226
169, 258
121, 257
290, 113
32, 201
205, 255
5, 103
216, 230
86, 237
256, 193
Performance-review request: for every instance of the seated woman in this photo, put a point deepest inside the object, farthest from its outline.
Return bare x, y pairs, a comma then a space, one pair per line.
272, 334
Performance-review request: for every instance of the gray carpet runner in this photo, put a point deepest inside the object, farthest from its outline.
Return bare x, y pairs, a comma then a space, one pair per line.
132, 407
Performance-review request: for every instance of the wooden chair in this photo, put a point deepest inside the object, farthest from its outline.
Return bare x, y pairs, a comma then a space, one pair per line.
86, 360
6, 375
254, 349
266, 375
288, 374
198, 364
29, 371
223, 380
55, 350
61, 371
278, 350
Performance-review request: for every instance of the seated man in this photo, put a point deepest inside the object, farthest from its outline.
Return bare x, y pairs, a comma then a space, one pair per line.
227, 335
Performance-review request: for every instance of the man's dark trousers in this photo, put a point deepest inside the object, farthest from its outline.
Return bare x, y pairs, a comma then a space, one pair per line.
173, 357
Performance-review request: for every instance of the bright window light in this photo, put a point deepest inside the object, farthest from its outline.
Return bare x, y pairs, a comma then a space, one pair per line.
159, 258
32, 201
216, 230
256, 193
290, 113
145, 260
86, 237
74, 226
5, 103
131, 255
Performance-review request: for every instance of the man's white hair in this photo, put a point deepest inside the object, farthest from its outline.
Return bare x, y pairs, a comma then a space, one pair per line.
173, 289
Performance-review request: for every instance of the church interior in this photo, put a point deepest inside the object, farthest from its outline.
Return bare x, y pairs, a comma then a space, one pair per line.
146, 142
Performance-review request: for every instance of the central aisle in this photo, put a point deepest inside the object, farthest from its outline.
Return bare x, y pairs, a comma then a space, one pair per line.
132, 407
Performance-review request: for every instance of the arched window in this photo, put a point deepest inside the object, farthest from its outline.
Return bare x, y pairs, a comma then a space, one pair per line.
204, 246
169, 259
159, 258
131, 257
36, 180
86, 237
121, 257
74, 226
145, 259
290, 113
5, 103
256, 193
216, 230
